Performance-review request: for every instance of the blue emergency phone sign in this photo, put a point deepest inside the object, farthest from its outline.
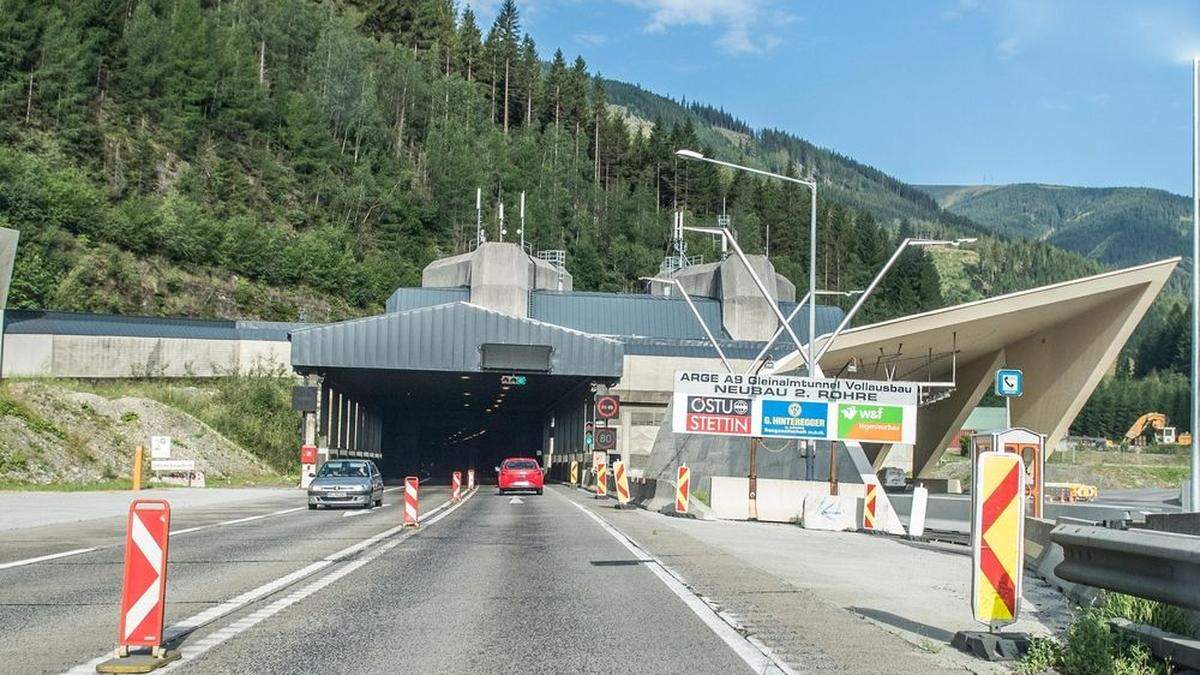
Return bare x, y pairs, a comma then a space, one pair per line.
1010, 382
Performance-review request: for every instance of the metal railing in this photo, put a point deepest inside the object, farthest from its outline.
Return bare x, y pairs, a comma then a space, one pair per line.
1162, 566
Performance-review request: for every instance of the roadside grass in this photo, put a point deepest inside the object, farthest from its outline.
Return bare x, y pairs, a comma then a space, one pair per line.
252, 410
113, 484
1090, 647
125, 484
14, 459
1110, 469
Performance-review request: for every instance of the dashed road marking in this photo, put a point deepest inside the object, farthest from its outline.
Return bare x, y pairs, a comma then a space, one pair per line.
43, 558
365, 512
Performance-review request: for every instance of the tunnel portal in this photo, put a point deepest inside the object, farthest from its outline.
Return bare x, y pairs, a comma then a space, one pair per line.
452, 387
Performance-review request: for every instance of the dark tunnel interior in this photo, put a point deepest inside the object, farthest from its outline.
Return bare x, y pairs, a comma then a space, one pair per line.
434, 423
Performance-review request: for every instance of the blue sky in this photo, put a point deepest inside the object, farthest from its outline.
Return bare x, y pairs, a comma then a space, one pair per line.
939, 91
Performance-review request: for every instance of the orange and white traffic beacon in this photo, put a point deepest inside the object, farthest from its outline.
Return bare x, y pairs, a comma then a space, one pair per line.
1031, 446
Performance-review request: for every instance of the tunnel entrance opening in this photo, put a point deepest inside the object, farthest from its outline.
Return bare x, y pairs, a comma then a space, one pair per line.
433, 423
450, 387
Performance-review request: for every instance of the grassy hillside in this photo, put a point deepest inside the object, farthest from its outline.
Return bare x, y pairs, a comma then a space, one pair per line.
1115, 226
75, 434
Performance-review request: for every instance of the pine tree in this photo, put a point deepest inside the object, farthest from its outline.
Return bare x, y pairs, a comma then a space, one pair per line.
502, 50
470, 47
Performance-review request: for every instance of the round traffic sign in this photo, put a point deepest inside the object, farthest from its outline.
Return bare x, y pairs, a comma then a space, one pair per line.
607, 407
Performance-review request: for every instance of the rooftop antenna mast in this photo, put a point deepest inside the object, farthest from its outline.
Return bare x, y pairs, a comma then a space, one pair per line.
521, 229
480, 237
724, 222
502, 230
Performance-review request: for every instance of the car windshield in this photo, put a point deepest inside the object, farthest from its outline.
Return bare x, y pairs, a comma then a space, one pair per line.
343, 470
520, 464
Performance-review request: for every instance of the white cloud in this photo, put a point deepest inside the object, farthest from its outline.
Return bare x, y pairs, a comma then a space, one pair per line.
741, 22
960, 9
591, 39
1008, 47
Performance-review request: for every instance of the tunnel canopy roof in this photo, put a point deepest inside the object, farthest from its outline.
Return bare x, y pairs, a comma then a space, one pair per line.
456, 336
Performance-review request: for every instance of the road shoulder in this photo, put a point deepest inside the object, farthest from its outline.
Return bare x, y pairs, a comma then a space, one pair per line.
801, 627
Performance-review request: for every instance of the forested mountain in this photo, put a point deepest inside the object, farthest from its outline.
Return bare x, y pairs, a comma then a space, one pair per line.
288, 159
1116, 226
273, 158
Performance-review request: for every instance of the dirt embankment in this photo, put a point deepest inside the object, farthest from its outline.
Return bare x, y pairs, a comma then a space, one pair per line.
51, 434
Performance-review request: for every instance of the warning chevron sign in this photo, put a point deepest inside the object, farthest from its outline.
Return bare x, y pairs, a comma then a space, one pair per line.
869, 503
622, 482
145, 585
998, 540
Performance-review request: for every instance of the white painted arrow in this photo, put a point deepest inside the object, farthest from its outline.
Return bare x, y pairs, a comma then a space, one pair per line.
516, 500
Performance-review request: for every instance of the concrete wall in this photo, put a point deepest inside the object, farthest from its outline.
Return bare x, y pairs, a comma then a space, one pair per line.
92, 356
745, 313
500, 276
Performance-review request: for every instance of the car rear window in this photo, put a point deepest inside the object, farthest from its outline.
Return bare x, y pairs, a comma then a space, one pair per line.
520, 464
339, 469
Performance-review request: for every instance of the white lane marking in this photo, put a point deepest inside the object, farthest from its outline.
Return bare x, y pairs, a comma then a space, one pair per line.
516, 500
213, 613
42, 558
751, 650
235, 521
187, 530
365, 512
245, 623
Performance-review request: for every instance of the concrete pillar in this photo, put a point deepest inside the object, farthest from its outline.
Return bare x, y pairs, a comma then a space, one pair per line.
938, 423
1071, 350
745, 313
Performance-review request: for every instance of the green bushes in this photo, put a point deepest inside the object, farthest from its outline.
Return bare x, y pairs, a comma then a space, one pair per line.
1090, 647
252, 410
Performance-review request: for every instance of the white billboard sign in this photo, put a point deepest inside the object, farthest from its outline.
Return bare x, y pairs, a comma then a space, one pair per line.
160, 447
172, 465
779, 406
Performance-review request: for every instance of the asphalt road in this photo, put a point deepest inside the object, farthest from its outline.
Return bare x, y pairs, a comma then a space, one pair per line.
62, 612
496, 585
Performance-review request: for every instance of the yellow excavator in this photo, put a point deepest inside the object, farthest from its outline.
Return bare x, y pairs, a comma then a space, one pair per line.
1151, 420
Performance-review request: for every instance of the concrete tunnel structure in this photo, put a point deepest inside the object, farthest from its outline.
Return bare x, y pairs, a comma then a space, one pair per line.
419, 388
393, 387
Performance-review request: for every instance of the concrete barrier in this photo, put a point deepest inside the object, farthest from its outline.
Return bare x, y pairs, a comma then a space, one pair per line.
783, 501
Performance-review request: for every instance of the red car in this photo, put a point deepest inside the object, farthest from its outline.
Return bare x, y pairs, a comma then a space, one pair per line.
519, 473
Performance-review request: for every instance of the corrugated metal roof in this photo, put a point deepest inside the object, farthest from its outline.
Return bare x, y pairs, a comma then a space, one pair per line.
405, 299
633, 315
625, 314
702, 348
30, 322
448, 337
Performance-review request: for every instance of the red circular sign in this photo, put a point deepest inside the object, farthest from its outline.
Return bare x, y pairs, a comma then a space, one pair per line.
607, 407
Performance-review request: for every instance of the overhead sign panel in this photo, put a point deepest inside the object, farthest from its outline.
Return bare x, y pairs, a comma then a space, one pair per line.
730, 404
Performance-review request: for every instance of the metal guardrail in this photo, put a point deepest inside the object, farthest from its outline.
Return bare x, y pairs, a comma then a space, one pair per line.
1161, 566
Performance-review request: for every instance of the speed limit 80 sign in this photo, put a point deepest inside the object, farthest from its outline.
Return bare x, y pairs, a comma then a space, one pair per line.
608, 407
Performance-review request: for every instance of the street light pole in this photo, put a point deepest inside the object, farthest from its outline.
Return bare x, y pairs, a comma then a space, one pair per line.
1194, 488
862, 299
812, 236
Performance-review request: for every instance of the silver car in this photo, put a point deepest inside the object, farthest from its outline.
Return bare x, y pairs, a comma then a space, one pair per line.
346, 482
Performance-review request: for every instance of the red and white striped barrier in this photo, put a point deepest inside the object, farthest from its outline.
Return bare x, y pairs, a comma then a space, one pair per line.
411, 485
147, 534
601, 479
470, 479
683, 488
456, 486
869, 506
